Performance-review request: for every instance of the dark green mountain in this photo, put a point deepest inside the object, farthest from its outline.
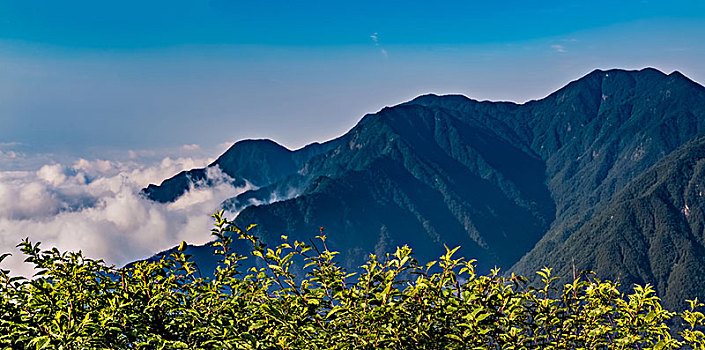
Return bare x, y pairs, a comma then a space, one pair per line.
652, 231
420, 175
502, 180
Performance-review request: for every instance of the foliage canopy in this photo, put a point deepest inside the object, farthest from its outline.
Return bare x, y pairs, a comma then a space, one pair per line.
393, 302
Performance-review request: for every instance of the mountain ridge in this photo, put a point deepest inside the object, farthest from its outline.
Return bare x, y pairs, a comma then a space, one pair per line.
257, 161
509, 182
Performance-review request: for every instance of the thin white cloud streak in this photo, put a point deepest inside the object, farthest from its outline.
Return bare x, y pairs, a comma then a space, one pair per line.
94, 206
558, 48
375, 39
192, 147
275, 196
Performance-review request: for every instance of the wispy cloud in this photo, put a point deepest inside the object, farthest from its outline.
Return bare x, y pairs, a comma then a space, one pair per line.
191, 147
8, 154
375, 40
7, 151
558, 48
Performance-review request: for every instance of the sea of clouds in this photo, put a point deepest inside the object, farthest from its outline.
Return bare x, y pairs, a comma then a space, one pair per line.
95, 206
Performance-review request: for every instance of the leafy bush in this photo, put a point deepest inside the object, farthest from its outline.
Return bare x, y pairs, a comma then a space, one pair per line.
393, 302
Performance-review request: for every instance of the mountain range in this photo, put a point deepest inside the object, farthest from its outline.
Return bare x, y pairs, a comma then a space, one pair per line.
605, 174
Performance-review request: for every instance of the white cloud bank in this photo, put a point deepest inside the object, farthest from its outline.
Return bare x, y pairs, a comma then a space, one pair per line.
95, 206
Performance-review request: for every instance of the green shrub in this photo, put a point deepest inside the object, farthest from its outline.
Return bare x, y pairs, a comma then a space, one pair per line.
392, 303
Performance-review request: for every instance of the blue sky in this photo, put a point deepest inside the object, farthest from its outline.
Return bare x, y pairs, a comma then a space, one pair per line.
100, 98
134, 24
90, 78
